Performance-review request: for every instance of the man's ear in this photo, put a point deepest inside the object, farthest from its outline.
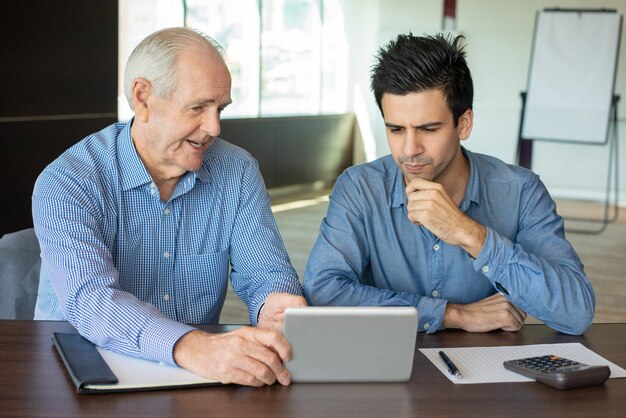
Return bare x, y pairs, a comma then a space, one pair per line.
140, 92
466, 122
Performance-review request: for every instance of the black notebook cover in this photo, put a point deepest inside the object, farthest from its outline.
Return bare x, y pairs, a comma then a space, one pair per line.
92, 372
82, 360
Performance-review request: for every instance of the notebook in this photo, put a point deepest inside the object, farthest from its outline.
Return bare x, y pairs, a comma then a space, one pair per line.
351, 344
95, 370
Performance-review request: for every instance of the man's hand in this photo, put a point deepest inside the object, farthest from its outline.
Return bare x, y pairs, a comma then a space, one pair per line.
429, 205
247, 356
494, 312
272, 313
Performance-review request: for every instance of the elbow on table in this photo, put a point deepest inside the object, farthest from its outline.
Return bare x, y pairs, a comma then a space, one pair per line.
575, 315
577, 325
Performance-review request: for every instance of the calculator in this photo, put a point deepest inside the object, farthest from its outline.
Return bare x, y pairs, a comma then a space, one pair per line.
559, 372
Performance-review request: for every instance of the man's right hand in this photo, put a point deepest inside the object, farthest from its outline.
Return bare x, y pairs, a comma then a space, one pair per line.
247, 356
494, 312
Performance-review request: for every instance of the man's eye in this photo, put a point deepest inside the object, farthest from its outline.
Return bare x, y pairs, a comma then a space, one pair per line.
395, 130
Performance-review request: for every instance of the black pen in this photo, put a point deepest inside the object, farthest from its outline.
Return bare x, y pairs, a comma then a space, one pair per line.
454, 371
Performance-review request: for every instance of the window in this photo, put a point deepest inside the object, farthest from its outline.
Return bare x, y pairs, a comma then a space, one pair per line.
334, 71
138, 19
290, 57
235, 25
286, 57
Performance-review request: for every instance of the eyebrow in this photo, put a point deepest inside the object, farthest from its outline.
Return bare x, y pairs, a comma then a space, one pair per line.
202, 102
422, 126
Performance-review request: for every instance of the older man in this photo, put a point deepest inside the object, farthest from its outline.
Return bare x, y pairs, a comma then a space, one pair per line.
139, 224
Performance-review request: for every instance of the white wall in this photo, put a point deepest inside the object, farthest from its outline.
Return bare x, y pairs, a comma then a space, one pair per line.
499, 35
370, 24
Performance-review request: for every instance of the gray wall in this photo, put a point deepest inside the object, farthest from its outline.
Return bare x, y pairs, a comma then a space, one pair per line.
295, 150
58, 78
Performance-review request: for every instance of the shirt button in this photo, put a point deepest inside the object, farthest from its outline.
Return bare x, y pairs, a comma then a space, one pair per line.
436, 247
426, 325
166, 254
166, 297
435, 293
166, 211
485, 269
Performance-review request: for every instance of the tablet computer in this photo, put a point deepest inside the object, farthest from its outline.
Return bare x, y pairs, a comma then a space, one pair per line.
351, 344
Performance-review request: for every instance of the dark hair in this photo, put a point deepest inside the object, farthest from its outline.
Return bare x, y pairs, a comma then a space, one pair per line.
411, 64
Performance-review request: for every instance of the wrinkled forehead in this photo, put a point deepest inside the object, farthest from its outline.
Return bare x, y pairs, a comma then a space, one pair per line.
202, 73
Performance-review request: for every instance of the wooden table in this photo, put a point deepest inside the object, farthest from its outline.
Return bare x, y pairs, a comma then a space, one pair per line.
34, 383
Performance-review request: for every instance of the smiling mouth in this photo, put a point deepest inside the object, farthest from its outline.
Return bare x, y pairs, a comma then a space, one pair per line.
196, 144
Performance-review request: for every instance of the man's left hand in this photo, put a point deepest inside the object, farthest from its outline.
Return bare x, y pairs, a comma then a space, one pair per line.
430, 205
272, 313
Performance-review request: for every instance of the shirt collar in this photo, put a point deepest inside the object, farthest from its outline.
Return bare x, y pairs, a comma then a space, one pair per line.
203, 173
134, 172
472, 192
398, 196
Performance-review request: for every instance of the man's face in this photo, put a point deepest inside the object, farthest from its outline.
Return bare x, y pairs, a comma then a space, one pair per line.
422, 136
180, 128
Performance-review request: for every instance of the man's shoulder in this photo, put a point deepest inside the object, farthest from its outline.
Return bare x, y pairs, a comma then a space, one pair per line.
91, 153
373, 182
496, 170
90, 158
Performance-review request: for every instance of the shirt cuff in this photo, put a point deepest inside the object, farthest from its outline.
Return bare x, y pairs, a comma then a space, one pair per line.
431, 313
259, 299
496, 252
160, 337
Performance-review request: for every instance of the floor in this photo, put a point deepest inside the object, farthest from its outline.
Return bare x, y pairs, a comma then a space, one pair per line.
604, 254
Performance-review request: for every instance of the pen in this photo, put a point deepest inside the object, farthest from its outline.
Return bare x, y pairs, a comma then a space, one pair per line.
454, 371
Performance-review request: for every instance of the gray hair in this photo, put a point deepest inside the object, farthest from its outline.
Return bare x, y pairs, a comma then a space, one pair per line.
155, 58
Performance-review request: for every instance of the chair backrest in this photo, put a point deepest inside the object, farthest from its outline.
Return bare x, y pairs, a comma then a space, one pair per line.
20, 263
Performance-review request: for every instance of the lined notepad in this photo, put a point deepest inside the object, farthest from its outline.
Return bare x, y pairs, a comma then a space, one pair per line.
138, 374
484, 364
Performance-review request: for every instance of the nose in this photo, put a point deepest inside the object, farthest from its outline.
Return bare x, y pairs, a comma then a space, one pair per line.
412, 144
210, 123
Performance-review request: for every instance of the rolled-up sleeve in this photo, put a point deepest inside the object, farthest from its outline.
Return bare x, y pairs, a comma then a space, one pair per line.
540, 272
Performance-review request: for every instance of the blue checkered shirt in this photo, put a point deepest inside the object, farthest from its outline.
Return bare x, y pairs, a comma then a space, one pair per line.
129, 270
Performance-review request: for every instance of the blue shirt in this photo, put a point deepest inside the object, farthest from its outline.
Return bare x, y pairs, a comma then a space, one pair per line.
129, 270
369, 253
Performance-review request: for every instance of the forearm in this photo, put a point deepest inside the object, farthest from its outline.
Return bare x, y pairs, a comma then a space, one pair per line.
472, 237
117, 320
554, 289
325, 288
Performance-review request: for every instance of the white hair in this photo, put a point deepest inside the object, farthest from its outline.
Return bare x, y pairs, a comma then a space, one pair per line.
155, 58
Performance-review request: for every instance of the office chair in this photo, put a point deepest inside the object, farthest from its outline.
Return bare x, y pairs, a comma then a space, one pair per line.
20, 263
